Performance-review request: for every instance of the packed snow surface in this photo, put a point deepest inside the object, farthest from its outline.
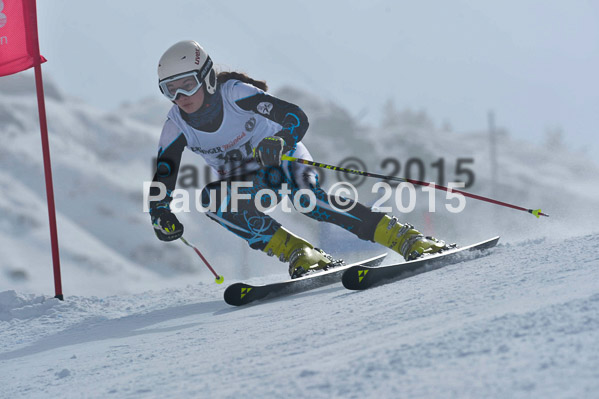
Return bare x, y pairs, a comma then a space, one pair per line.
143, 319
522, 322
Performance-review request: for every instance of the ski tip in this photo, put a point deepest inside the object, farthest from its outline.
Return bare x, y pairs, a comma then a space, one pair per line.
354, 278
238, 294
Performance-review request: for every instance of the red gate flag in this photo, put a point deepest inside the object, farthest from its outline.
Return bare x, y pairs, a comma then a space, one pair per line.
20, 50
19, 46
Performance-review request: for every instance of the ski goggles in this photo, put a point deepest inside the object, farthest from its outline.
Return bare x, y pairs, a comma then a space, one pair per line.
187, 84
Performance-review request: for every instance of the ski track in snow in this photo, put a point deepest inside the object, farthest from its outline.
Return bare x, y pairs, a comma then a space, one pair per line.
522, 322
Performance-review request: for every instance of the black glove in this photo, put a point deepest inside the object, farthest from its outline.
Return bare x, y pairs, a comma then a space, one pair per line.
269, 151
166, 225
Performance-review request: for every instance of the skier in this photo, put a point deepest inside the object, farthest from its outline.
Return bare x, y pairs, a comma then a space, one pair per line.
241, 131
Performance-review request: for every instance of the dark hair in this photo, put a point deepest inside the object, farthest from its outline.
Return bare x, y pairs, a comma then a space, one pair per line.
224, 76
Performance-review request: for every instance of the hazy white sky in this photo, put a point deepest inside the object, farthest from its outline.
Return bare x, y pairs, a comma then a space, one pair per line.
534, 62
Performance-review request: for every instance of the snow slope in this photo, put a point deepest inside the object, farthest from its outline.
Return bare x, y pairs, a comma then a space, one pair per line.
522, 322
100, 160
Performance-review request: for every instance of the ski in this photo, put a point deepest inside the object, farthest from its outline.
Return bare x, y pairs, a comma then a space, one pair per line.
361, 277
241, 293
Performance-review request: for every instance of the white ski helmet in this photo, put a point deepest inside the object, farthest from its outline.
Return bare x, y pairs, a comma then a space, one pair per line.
186, 58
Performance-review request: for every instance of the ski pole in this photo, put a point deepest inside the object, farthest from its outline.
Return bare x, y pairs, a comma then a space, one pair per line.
218, 279
536, 212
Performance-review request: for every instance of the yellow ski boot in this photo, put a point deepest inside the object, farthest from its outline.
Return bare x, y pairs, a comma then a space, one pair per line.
405, 240
300, 254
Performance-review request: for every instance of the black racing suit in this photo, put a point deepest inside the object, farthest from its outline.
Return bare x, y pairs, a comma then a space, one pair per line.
248, 222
